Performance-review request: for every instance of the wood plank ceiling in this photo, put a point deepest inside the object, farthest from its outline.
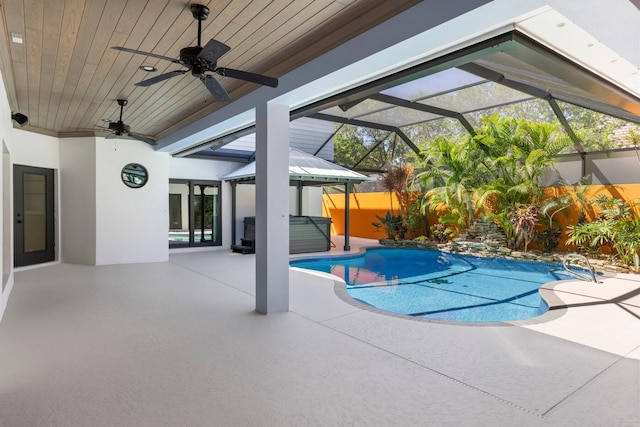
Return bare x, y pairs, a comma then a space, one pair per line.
66, 78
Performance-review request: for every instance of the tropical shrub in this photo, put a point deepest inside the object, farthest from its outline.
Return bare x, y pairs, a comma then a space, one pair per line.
615, 228
395, 181
393, 225
441, 232
415, 220
524, 219
626, 243
549, 237
494, 172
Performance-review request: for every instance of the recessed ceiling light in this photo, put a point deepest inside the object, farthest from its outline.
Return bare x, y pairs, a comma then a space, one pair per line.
16, 38
148, 68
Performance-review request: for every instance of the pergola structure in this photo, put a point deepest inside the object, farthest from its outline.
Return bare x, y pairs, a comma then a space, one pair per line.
304, 170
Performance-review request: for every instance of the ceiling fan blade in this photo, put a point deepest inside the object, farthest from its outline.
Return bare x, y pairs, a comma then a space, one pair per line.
139, 52
213, 50
161, 77
216, 89
143, 138
250, 77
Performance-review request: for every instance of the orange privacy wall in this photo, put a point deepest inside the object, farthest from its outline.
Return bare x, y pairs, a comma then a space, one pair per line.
365, 206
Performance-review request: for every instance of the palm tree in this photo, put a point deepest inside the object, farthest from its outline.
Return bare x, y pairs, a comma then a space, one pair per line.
503, 163
395, 180
458, 171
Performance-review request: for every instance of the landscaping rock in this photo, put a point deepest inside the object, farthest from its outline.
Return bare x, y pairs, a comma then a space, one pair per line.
492, 249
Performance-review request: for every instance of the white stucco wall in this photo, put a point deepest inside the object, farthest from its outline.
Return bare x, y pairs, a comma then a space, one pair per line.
23, 148
78, 200
34, 149
312, 201
6, 252
131, 224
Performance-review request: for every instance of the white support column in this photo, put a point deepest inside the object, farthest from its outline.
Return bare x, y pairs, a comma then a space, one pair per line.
272, 208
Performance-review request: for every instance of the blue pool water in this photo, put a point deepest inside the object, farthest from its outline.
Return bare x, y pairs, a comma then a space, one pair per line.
442, 286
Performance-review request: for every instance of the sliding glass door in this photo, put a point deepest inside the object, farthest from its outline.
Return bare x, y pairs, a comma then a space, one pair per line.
194, 213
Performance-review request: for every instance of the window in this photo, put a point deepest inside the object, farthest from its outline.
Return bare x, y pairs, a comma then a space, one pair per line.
194, 213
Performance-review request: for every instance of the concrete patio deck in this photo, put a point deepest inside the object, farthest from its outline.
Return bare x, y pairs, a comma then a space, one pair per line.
179, 343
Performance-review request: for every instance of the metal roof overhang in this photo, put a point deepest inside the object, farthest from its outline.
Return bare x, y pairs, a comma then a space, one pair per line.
304, 169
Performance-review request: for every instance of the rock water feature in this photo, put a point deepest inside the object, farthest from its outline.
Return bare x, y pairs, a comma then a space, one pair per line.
485, 239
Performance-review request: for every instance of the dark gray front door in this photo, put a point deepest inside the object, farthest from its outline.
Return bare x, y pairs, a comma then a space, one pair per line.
34, 232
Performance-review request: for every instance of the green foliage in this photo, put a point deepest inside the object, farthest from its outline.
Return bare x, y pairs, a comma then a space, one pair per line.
414, 219
549, 239
524, 219
396, 180
393, 225
366, 148
551, 206
611, 208
589, 237
627, 240
457, 171
498, 169
441, 232
421, 239
498, 172
503, 219
595, 130
615, 227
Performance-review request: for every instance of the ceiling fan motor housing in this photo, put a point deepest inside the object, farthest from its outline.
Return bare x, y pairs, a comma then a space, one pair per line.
119, 127
189, 55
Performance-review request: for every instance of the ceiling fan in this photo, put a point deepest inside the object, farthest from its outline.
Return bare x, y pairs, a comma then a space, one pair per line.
201, 60
119, 128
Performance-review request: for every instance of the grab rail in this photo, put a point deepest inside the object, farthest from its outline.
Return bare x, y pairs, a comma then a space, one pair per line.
566, 262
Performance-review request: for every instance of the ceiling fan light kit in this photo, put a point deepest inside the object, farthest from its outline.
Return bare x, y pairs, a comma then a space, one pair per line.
201, 62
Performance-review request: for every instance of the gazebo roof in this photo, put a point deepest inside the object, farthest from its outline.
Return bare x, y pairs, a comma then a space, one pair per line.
304, 168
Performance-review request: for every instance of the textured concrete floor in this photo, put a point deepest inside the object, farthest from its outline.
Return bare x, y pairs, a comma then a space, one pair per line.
179, 344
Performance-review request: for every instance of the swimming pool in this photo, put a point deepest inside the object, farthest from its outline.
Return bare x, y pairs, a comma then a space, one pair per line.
442, 286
